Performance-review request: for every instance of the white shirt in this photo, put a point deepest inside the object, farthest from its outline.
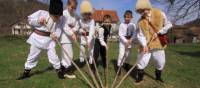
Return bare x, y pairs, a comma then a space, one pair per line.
85, 26
44, 42
67, 32
137, 34
167, 24
100, 35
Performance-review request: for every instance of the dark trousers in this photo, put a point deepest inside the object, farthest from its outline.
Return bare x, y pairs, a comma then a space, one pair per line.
99, 49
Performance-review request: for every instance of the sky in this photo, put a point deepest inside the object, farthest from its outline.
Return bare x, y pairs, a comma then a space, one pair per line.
119, 5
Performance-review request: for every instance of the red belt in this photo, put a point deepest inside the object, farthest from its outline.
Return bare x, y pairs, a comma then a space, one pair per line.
42, 33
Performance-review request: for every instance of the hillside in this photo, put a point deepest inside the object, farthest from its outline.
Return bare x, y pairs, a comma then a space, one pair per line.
12, 11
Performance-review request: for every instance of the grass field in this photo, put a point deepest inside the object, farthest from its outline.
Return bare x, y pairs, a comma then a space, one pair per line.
182, 68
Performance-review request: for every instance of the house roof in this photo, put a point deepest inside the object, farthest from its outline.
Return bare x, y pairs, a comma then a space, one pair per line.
98, 15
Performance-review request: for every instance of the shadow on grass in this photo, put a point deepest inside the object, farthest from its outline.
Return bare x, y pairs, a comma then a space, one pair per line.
49, 68
133, 73
189, 53
150, 76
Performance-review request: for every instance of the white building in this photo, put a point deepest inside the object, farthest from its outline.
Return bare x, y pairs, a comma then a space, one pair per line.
22, 29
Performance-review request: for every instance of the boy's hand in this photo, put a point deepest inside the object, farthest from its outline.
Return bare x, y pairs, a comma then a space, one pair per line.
42, 21
155, 35
84, 33
128, 42
89, 46
74, 37
145, 50
53, 36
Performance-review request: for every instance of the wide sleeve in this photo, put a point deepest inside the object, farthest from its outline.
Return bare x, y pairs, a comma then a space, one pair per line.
167, 25
141, 37
58, 29
76, 27
134, 31
91, 31
33, 19
101, 36
80, 31
66, 29
120, 33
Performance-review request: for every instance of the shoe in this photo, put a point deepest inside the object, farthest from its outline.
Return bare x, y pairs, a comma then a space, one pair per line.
158, 74
25, 75
82, 64
140, 76
116, 70
69, 73
60, 74
127, 66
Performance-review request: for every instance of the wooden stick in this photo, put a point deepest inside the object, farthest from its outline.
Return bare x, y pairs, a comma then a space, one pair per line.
123, 59
90, 71
97, 72
76, 66
106, 69
89, 83
118, 85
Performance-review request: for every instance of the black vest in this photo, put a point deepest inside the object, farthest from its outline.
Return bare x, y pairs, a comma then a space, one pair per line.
106, 32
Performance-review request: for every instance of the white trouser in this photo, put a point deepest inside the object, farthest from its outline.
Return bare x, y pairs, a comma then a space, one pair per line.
124, 55
66, 54
158, 57
91, 53
82, 53
83, 45
33, 57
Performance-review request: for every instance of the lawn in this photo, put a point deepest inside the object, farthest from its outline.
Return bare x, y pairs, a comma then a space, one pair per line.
182, 69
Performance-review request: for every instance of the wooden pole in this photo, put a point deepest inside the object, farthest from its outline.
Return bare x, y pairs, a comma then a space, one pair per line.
118, 85
97, 72
118, 71
76, 66
90, 71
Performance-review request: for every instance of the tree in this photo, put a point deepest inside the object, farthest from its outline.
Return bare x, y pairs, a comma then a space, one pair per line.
181, 11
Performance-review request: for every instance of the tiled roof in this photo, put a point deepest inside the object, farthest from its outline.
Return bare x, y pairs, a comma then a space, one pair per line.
98, 15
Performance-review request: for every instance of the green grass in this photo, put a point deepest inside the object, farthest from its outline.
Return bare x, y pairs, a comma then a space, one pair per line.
182, 68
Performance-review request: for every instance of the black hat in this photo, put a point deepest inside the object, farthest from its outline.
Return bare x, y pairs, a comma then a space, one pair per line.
56, 7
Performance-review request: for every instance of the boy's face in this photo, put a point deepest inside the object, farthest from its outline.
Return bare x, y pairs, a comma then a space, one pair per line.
107, 22
128, 18
72, 8
144, 12
55, 18
86, 16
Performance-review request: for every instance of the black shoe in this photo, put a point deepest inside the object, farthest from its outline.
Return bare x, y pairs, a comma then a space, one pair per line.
82, 64
140, 75
25, 75
158, 75
116, 70
69, 73
93, 68
60, 74
127, 66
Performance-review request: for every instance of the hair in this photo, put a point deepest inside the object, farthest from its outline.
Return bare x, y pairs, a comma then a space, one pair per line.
107, 17
128, 12
70, 2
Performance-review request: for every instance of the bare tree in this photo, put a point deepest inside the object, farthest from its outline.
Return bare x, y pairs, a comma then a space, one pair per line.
181, 11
